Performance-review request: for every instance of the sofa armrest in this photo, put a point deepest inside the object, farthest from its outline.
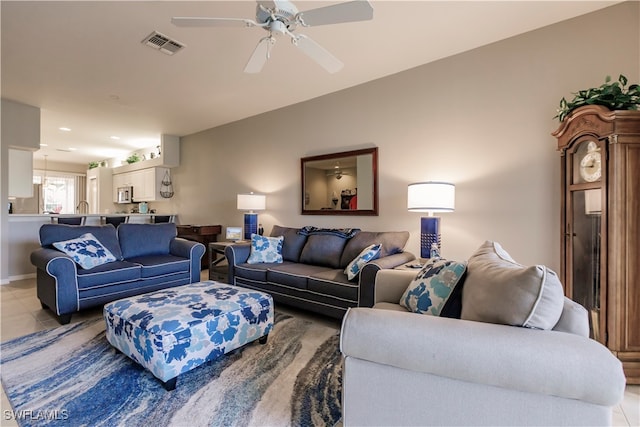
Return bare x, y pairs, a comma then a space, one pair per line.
57, 280
238, 253
41, 258
534, 361
188, 249
369, 271
391, 284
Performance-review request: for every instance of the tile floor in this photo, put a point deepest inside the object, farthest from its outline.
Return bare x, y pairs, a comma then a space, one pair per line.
21, 314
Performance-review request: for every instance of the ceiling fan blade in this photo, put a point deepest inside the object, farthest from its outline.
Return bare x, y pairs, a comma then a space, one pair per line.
357, 10
267, 4
185, 21
318, 53
260, 54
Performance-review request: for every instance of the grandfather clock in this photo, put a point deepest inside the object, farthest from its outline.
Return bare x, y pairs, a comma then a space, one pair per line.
600, 265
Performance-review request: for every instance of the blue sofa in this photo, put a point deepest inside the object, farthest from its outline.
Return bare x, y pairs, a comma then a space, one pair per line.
311, 276
148, 257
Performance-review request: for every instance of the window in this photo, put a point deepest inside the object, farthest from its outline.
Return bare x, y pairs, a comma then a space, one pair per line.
59, 191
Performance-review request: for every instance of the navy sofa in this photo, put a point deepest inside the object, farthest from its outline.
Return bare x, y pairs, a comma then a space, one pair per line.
149, 257
312, 276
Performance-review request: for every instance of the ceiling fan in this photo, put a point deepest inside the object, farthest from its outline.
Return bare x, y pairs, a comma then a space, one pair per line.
282, 17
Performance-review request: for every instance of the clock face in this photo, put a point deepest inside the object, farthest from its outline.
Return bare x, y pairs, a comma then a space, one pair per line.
591, 164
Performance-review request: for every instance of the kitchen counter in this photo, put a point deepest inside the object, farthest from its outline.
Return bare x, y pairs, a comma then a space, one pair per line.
91, 219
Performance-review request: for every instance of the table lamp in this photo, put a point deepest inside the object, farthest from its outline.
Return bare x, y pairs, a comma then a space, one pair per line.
251, 202
430, 197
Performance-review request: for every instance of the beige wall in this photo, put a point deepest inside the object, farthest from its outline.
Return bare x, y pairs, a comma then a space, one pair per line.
481, 119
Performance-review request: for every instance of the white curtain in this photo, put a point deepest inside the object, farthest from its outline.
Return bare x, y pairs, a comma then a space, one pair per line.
81, 192
61, 191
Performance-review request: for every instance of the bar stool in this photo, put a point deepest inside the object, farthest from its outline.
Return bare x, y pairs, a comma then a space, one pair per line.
115, 220
157, 219
71, 220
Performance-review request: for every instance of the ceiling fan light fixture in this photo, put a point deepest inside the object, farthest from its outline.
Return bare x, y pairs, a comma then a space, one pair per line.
278, 27
282, 17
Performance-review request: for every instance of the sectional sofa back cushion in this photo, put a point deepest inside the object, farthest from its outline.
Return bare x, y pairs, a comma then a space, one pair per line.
499, 290
392, 242
324, 249
146, 239
105, 234
293, 242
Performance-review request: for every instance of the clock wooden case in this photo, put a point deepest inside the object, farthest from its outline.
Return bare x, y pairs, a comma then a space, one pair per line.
600, 265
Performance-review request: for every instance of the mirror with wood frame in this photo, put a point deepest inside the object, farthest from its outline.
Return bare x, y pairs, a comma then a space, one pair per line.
343, 183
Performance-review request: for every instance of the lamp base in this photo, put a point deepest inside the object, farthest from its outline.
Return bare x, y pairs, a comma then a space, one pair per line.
429, 234
250, 225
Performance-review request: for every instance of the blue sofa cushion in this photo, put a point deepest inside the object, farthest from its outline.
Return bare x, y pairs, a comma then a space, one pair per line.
108, 274
293, 242
160, 265
392, 242
138, 240
368, 254
255, 272
334, 283
106, 234
293, 275
324, 250
429, 292
265, 249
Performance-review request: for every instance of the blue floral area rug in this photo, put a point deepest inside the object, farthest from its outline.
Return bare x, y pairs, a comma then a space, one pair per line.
72, 376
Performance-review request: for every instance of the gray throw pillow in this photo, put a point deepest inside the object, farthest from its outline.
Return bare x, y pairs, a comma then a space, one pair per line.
499, 290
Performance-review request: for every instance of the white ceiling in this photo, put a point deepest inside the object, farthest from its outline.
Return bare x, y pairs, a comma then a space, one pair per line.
83, 63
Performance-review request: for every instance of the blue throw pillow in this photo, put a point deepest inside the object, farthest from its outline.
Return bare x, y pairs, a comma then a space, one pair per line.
265, 249
432, 287
369, 253
86, 251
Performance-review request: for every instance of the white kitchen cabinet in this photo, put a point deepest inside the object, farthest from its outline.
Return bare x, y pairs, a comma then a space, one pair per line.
119, 180
20, 125
20, 173
100, 190
146, 183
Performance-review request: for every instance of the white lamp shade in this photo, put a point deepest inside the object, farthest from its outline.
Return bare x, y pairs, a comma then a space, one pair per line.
252, 202
431, 196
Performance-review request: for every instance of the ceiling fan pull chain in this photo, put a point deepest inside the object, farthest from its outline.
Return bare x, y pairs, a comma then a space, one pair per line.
272, 41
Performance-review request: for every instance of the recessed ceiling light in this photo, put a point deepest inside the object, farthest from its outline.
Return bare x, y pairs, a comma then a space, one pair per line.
44, 145
65, 129
72, 149
114, 137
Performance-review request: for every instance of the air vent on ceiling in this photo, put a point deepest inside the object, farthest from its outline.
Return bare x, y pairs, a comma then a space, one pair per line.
163, 43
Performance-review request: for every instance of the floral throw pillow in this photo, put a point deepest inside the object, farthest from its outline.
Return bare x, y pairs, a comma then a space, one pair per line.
86, 251
369, 253
265, 249
432, 287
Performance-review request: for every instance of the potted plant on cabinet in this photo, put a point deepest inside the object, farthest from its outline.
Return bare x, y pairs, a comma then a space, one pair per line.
613, 95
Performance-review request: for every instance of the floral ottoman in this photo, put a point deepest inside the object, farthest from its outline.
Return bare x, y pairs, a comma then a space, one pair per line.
174, 330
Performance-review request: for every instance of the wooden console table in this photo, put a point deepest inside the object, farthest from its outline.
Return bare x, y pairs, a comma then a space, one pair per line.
204, 234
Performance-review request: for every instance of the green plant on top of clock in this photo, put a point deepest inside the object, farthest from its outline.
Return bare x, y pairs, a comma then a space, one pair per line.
613, 95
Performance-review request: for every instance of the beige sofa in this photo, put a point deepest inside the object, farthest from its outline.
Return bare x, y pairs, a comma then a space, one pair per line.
402, 368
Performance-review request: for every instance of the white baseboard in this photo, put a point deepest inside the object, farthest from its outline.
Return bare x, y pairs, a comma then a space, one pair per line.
20, 277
